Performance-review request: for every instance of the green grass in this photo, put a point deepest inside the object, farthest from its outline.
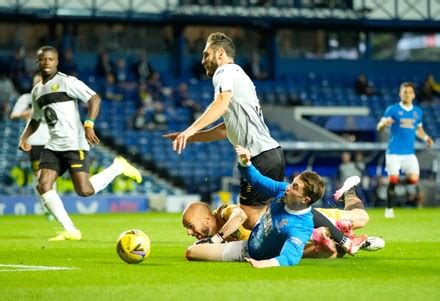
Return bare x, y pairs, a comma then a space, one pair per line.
407, 269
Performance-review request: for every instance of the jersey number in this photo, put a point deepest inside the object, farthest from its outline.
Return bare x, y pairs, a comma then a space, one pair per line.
51, 116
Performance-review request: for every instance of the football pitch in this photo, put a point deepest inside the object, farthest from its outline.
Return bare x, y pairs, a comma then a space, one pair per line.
32, 268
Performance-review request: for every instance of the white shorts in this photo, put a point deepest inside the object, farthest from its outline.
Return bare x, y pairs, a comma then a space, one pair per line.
408, 164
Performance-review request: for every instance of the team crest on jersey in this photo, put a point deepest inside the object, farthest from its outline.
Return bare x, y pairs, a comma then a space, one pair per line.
55, 87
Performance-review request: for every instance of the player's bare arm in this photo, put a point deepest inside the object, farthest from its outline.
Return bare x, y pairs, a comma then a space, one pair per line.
384, 122
30, 129
26, 115
214, 111
94, 106
422, 135
235, 221
215, 133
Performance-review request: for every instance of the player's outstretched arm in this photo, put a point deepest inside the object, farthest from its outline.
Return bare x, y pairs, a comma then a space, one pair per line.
215, 133
214, 111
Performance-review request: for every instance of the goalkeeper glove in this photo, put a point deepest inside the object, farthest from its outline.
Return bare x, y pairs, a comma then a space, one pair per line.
215, 239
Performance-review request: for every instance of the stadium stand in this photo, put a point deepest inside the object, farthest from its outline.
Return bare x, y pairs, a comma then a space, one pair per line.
299, 76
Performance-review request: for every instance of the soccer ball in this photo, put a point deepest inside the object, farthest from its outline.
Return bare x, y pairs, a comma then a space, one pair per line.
133, 246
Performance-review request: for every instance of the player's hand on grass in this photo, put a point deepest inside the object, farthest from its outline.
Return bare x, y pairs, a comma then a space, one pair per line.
244, 155
262, 263
24, 146
91, 136
255, 263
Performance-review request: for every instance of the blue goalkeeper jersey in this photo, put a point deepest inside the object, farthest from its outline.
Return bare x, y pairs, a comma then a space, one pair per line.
403, 130
281, 233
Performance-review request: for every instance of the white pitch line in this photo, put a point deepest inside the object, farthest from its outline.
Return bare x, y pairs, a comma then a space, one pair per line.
23, 268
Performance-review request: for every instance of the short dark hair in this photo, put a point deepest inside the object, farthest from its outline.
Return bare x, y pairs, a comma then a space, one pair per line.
407, 85
219, 39
46, 48
314, 185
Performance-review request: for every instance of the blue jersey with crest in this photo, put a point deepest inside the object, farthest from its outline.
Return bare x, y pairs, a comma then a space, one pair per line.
281, 233
403, 130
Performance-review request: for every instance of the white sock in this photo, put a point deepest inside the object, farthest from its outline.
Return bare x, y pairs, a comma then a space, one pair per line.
53, 203
38, 195
105, 177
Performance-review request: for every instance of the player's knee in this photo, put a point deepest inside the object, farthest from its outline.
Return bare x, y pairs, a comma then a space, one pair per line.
394, 180
84, 191
412, 180
364, 218
44, 186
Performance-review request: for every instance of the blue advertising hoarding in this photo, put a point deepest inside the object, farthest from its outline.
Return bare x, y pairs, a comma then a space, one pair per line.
27, 204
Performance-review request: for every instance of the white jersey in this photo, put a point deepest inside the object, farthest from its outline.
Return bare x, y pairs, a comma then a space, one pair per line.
41, 135
243, 119
56, 102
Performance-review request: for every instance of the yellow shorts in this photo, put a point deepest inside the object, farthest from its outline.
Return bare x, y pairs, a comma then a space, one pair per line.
334, 214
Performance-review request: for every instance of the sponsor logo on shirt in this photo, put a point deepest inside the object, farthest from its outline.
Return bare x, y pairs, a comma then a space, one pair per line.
296, 241
282, 223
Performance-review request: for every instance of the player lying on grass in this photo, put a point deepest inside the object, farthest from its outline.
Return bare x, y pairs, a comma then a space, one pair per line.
225, 224
283, 230
209, 227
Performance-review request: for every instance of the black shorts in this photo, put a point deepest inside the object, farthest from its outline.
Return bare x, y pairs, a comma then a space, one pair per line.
270, 164
74, 161
34, 156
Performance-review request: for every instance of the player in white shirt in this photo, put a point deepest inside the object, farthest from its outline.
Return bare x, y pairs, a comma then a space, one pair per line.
236, 101
54, 99
23, 110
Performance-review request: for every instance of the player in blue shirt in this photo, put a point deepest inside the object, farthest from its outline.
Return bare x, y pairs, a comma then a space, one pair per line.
278, 239
405, 122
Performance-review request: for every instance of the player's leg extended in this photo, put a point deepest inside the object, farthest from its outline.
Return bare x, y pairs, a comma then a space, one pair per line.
119, 166
55, 206
350, 245
393, 166
253, 214
354, 209
412, 171
83, 187
230, 251
271, 164
34, 156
